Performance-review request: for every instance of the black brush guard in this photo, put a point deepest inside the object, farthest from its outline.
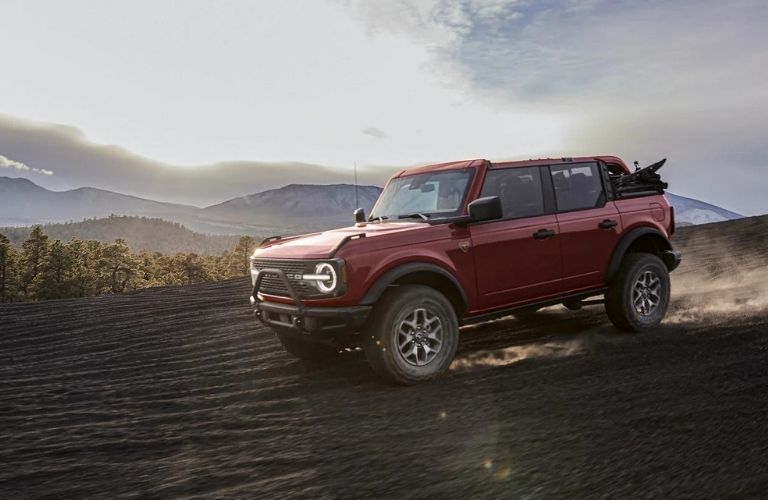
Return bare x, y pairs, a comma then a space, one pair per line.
298, 318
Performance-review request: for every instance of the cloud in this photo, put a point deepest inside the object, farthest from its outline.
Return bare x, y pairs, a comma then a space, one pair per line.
526, 52
17, 165
375, 133
642, 80
80, 162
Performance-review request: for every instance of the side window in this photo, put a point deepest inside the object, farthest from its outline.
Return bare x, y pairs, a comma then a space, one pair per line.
519, 190
576, 186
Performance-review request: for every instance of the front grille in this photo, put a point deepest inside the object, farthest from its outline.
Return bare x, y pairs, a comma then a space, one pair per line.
273, 285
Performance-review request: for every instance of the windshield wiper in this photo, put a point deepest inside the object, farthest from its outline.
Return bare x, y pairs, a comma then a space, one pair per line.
415, 215
379, 218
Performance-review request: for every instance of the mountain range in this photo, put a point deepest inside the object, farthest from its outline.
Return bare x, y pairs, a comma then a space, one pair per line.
294, 208
291, 209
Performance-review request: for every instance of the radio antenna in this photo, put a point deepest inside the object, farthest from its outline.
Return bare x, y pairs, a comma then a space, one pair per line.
357, 200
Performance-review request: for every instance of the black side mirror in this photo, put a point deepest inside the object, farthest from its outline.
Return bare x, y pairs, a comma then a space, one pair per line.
488, 208
359, 215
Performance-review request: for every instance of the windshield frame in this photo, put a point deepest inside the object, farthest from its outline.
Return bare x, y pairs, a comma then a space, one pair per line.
433, 216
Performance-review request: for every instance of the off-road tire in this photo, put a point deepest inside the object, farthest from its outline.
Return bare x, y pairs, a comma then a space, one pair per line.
619, 303
306, 350
394, 313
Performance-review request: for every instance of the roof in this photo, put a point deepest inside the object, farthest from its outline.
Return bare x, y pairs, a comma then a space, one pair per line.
609, 160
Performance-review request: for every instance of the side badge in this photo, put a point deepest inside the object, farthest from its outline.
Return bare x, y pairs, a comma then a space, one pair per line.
464, 246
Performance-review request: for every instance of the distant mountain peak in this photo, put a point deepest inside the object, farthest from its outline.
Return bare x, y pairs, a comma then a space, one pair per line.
295, 186
689, 211
302, 201
21, 181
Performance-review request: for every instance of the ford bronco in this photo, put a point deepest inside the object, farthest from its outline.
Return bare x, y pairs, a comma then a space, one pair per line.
458, 243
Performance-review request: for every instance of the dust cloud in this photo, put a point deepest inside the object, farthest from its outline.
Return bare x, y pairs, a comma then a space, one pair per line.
513, 354
734, 285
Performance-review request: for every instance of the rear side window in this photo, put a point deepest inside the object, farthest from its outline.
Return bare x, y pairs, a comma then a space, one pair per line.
519, 190
576, 186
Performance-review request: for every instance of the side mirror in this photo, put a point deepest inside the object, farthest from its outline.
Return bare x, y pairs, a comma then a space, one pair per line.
359, 215
488, 208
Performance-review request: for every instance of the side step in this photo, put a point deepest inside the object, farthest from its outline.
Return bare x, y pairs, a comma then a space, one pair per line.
578, 304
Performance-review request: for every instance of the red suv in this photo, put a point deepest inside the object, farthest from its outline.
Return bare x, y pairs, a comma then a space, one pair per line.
458, 243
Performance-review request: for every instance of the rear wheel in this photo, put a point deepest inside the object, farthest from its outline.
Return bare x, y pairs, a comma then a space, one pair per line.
412, 335
304, 349
638, 297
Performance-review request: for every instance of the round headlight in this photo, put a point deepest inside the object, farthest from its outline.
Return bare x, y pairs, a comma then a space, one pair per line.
329, 284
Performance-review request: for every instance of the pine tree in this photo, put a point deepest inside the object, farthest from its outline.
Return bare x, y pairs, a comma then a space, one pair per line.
116, 266
147, 270
85, 277
7, 272
240, 265
33, 252
54, 281
195, 269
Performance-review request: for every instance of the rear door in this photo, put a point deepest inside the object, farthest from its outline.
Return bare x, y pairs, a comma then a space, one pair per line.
590, 225
517, 258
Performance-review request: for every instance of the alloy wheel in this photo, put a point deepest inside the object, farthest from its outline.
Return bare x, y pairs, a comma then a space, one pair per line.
646, 293
420, 337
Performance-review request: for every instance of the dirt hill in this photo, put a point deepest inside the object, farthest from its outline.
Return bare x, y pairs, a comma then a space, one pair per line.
178, 392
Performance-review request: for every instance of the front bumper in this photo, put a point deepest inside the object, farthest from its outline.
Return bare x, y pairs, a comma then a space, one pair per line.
306, 320
312, 320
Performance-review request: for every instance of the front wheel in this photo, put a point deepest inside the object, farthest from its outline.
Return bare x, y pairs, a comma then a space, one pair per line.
412, 335
638, 297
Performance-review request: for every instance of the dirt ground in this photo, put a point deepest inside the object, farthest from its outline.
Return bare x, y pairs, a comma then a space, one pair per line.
177, 392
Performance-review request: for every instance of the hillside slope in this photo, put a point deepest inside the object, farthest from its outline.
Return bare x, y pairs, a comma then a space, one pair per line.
140, 233
24, 202
302, 200
296, 207
177, 392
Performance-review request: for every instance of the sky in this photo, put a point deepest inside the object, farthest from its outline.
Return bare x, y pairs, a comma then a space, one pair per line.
198, 101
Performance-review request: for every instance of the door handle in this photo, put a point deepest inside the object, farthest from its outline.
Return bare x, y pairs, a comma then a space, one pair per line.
607, 224
543, 234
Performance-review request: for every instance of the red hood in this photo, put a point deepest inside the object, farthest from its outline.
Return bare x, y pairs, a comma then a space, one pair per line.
322, 245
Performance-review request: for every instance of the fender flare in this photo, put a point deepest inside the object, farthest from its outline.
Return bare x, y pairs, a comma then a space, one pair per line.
626, 241
380, 285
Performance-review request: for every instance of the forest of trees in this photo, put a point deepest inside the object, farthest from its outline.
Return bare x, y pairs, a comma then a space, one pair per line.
44, 269
140, 233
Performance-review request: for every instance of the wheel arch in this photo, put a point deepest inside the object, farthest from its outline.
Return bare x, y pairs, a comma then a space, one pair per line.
641, 240
420, 273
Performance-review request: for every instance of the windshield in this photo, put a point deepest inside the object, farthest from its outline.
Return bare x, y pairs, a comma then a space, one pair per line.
432, 194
